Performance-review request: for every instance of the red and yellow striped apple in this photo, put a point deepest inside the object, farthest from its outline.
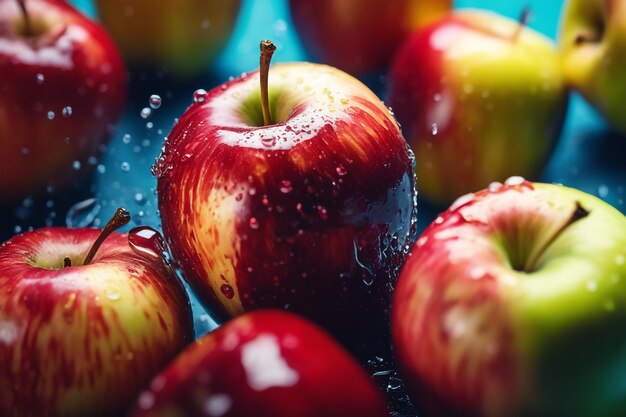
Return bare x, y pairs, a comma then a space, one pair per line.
79, 337
62, 85
480, 98
512, 304
264, 364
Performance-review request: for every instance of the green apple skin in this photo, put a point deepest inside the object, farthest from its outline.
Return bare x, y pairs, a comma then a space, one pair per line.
479, 99
475, 336
593, 44
181, 37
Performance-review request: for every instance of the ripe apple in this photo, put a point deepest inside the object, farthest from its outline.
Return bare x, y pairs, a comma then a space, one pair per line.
512, 304
265, 363
311, 212
181, 37
360, 36
81, 337
480, 98
593, 43
62, 86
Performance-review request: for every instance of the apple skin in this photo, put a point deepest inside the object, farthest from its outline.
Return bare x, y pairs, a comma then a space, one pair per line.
265, 363
595, 66
84, 340
360, 36
474, 336
313, 213
174, 36
475, 105
74, 65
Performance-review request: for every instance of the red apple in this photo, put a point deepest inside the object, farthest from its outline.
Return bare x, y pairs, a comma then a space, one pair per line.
311, 212
512, 304
360, 36
266, 363
480, 97
181, 37
63, 85
80, 337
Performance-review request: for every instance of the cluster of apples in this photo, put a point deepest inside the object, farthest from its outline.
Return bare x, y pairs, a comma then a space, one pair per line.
294, 189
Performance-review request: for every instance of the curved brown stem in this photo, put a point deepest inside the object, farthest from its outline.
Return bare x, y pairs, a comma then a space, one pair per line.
524, 17
28, 28
119, 219
267, 50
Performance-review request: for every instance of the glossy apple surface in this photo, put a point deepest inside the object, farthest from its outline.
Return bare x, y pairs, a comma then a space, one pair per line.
311, 213
479, 98
593, 43
497, 313
360, 36
265, 363
61, 89
181, 37
84, 340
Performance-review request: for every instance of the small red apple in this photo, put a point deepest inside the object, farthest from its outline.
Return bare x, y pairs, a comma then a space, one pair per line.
310, 210
80, 334
62, 86
264, 364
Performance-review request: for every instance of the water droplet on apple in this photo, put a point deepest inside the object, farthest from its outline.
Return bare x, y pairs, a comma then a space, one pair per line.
155, 101
82, 214
268, 141
51, 115
254, 223
147, 242
494, 186
145, 112
285, 186
227, 290
112, 294
199, 95
514, 180
67, 111
434, 129
40, 78
341, 170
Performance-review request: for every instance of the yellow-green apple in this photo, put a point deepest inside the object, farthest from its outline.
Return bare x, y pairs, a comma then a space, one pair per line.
480, 98
265, 363
82, 332
360, 36
180, 37
593, 44
310, 212
62, 85
512, 304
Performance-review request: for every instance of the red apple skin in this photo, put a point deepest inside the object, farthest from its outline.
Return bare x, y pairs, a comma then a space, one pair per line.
360, 36
81, 69
266, 363
84, 340
302, 215
467, 123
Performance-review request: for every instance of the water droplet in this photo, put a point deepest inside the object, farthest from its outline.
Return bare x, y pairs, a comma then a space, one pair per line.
285, 186
341, 170
437, 97
199, 95
82, 214
268, 141
254, 223
227, 290
101, 169
67, 111
155, 101
76, 165
494, 186
51, 115
434, 129
125, 166
603, 191
40, 78
145, 112
322, 212
140, 198
147, 242
514, 180
112, 294
126, 138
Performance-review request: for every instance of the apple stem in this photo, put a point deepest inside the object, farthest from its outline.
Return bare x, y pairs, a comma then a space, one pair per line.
579, 213
267, 50
524, 17
67, 262
119, 219
28, 29
583, 38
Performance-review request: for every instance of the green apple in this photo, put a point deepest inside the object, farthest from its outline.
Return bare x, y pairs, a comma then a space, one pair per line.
513, 303
480, 98
593, 43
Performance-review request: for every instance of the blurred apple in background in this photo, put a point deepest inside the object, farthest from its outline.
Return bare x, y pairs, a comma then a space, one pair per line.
512, 304
79, 337
593, 42
480, 98
360, 36
180, 37
62, 85
266, 363
311, 212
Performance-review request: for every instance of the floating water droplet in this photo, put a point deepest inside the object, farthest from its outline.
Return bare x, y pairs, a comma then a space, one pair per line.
341, 170
199, 95
125, 166
51, 115
155, 101
285, 186
126, 138
603, 191
101, 169
76, 165
227, 290
254, 223
40, 78
322, 212
147, 242
67, 111
145, 112
434, 129
82, 214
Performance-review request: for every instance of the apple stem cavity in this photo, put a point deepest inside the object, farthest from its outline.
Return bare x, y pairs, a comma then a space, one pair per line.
523, 20
267, 50
28, 28
579, 213
119, 219
67, 262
